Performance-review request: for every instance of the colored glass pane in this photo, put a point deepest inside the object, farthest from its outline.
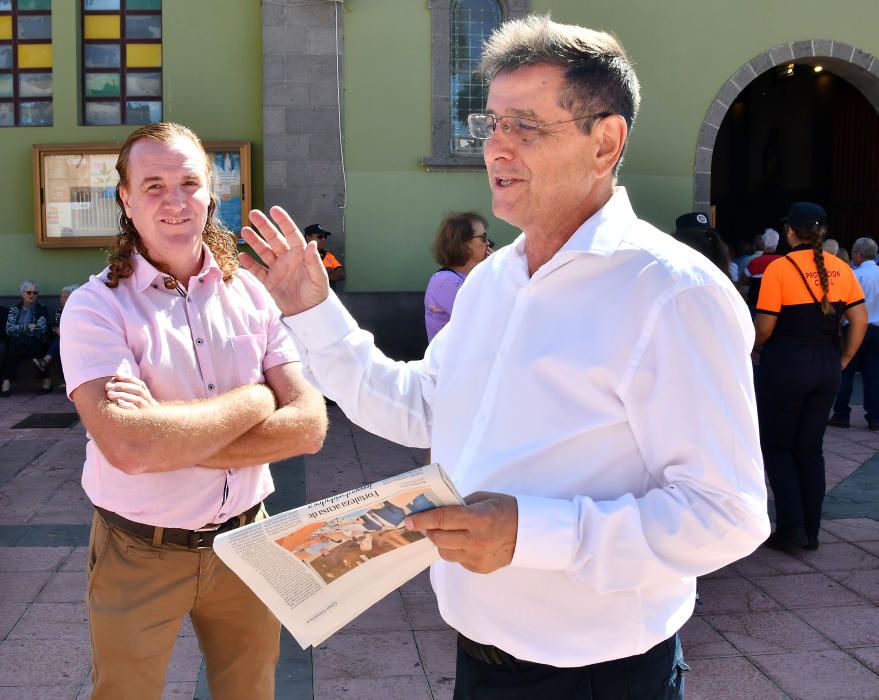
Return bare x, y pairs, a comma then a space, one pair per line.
102, 55
102, 85
7, 114
5, 5
36, 27
101, 5
6, 27
143, 55
35, 85
143, 26
35, 55
34, 4
143, 84
5, 57
144, 5
102, 113
35, 113
101, 27
6, 85
143, 112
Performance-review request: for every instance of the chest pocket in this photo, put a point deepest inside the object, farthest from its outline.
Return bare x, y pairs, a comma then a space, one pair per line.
249, 352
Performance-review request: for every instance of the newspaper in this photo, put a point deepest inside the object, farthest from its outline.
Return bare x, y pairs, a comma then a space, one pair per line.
319, 566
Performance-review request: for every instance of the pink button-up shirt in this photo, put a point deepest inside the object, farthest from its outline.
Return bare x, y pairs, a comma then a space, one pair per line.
208, 340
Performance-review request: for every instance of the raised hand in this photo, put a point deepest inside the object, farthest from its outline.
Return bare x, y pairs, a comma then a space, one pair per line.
292, 270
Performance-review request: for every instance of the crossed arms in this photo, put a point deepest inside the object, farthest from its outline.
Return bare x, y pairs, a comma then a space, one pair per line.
249, 425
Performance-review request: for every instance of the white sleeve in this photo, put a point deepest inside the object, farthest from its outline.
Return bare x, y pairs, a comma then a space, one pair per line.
388, 398
691, 408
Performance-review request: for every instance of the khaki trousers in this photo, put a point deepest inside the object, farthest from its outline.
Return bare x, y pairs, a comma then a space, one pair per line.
138, 595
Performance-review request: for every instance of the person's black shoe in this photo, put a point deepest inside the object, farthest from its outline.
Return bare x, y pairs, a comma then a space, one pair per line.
837, 422
873, 426
811, 542
5, 394
780, 541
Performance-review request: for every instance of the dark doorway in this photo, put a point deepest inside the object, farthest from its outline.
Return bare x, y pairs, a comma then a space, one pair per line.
796, 134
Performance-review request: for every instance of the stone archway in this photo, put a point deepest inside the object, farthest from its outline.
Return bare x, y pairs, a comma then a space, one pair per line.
858, 67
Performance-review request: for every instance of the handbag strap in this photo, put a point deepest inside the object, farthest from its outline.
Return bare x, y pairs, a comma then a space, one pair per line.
802, 277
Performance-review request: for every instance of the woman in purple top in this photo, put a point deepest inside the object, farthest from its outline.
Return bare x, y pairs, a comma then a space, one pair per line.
461, 244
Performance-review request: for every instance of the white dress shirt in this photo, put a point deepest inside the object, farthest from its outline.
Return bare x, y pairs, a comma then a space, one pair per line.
868, 276
611, 393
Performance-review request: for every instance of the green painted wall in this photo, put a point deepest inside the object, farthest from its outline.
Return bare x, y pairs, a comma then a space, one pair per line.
212, 83
684, 51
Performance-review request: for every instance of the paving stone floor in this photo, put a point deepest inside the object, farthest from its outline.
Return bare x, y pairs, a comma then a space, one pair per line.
772, 625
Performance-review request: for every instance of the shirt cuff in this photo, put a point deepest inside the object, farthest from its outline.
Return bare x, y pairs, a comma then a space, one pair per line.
321, 325
546, 533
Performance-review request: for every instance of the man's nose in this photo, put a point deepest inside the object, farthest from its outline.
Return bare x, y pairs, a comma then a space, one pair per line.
175, 197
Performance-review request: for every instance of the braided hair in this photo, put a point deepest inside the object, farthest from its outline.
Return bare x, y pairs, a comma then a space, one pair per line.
814, 235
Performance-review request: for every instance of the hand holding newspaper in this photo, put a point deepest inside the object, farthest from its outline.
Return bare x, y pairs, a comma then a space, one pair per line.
319, 566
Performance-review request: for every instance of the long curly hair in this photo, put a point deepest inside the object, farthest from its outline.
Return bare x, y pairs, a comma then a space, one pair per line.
814, 236
220, 240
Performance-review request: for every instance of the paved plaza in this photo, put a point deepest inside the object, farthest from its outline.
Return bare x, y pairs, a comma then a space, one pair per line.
769, 626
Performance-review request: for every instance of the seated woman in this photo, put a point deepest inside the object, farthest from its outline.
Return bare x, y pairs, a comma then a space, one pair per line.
54, 351
27, 331
461, 244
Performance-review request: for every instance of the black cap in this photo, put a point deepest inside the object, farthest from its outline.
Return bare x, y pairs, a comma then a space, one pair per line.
316, 230
804, 215
693, 221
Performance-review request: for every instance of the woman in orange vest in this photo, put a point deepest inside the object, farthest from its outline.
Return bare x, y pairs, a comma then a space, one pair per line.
803, 299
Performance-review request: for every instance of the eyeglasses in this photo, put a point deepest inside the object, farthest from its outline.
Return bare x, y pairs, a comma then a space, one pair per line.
483, 236
520, 129
30, 291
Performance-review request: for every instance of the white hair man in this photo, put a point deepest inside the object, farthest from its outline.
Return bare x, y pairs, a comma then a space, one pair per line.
866, 361
757, 266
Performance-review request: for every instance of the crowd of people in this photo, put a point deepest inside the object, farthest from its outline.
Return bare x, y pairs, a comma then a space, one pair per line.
28, 334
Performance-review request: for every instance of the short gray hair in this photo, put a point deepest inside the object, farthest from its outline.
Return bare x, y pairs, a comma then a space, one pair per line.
27, 283
598, 75
770, 239
866, 247
69, 288
831, 245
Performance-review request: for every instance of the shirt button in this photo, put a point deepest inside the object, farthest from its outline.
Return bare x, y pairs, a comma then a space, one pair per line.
198, 341
229, 472
222, 515
201, 279
155, 286
210, 387
189, 299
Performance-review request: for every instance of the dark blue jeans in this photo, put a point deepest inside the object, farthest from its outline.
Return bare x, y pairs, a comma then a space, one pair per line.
866, 361
657, 674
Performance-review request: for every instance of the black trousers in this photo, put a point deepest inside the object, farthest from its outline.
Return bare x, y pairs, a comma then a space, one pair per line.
657, 674
796, 387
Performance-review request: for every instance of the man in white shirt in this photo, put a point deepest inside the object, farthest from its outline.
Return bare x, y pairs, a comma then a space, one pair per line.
866, 361
592, 393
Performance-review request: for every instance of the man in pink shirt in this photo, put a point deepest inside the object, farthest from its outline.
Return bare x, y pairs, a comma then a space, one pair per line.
188, 386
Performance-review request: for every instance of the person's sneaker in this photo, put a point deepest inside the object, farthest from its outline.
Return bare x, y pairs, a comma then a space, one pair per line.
837, 422
39, 363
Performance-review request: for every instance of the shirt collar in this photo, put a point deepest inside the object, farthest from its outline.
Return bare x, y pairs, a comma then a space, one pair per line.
145, 273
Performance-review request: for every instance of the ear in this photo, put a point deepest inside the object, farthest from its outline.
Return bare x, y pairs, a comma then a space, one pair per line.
610, 136
123, 195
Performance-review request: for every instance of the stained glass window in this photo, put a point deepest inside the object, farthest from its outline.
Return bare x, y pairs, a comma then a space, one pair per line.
121, 61
25, 62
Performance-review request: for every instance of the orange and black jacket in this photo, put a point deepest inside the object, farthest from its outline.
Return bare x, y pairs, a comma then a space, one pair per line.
784, 294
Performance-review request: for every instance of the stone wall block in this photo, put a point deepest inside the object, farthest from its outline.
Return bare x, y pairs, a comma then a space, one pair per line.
703, 160
743, 76
716, 113
842, 50
702, 189
323, 94
781, 54
279, 41
311, 174
761, 64
708, 135
823, 47
284, 93
308, 120
728, 93
308, 68
274, 120
286, 147
322, 148
274, 67
321, 42
862, 59
275, 173
803, 49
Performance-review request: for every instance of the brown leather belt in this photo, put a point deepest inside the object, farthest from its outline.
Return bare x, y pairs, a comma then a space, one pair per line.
194, 539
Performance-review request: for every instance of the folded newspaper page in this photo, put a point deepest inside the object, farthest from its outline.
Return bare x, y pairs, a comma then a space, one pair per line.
319, 566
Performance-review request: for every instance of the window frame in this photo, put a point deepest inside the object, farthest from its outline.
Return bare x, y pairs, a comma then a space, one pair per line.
123, 70
441, 157
16, 72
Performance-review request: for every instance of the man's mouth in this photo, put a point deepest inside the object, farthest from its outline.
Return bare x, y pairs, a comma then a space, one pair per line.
505, 181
